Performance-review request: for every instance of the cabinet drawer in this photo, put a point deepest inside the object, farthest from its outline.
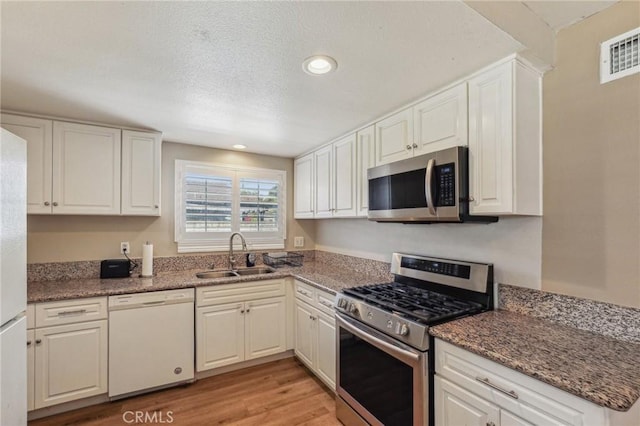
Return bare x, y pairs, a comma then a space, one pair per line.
31, 316
70, 311
522, 395
305, 292
324, 301
230, 293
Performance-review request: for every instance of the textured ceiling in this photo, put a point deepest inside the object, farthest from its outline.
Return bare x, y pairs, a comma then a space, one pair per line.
219, 73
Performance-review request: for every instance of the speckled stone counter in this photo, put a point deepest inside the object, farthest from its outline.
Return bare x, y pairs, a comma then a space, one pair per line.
323, 275
597, 368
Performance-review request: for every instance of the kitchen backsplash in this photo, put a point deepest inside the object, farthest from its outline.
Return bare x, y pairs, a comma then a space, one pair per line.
62, 271
616, 321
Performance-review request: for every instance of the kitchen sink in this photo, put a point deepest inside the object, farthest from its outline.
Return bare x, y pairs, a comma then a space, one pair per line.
216, 274
257, 270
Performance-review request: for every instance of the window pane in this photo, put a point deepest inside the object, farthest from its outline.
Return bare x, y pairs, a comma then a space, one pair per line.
208, 202
259, 205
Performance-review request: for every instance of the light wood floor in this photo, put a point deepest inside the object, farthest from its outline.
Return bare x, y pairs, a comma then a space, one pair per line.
278, 393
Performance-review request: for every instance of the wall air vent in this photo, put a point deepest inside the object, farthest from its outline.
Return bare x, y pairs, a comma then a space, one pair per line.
620, 56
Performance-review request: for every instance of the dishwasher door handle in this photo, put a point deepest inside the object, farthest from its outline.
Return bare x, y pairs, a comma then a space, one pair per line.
157, 302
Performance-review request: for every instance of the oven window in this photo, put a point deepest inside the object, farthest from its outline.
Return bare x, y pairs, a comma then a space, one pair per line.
378, 381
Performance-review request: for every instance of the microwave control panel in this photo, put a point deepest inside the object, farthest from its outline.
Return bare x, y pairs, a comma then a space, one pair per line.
446, 182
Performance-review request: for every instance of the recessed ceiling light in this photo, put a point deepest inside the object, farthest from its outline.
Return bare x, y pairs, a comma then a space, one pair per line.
319, 64
239, 146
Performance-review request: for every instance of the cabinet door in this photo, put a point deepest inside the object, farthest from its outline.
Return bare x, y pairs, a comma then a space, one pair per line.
365, 158
303, 182
219, 335
394, 137
440, 122
31, 359
86, 169
265, 327
305, 342
326, 349
70, 362
38, 133
141, 164
323, 207
491, 141
455, 406
344, 177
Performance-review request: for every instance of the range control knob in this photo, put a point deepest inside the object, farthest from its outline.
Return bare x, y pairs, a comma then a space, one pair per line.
402, 329
342, 303
352, 309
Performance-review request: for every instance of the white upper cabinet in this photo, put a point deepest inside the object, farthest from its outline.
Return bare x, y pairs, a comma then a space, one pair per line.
141, 165
365, 158
39, 136
394, 137
323, 166
335, 179
505, 146
344, 177
89, 170
303, 184
440, 121
86, 169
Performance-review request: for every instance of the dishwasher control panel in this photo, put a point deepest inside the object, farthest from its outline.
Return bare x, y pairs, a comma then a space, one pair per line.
152, 298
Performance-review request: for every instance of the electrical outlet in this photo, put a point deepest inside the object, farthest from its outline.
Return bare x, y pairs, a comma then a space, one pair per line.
298, 241
124, 246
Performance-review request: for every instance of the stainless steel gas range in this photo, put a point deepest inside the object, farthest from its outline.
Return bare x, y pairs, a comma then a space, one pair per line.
385, 368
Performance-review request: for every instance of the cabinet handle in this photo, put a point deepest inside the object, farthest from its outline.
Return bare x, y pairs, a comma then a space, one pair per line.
46, 203
486, 381
408, 146
471, 199
415, 145
28, 342
79, 311
38, 341
55, 204
327, 304
303, 292
242, 311
156, 206
248, 310
491, 424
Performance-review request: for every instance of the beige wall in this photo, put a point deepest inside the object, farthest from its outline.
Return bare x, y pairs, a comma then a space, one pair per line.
69, 238
591, 223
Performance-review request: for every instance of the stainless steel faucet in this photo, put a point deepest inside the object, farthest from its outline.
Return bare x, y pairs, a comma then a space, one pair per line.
232, 261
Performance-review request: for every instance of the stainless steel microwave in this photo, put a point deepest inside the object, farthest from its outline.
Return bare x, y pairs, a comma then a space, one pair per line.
428, 188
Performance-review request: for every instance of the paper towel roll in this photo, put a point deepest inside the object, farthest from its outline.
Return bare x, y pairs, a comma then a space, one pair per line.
147, 260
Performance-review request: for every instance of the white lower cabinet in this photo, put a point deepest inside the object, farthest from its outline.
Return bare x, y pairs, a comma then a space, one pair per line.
239, 322
315, 336
67, 359
472, 390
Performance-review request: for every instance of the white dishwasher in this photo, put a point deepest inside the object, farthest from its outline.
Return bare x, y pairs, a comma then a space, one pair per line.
151, 341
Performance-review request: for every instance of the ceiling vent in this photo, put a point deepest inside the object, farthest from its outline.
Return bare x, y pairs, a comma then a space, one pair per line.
619, 56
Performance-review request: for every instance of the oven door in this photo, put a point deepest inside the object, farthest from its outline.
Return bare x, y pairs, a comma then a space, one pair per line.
381, 379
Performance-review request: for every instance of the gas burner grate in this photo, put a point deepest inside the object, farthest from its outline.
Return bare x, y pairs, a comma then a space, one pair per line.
413, 302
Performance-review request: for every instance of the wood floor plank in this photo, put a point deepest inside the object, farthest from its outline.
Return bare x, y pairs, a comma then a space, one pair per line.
279, 393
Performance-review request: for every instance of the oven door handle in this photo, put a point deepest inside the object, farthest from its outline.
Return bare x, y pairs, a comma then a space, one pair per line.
393, 349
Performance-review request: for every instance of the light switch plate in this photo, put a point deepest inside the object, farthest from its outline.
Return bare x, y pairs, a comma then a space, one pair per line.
298, 241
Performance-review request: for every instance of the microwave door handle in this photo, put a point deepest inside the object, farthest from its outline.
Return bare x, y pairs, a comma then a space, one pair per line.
427, 186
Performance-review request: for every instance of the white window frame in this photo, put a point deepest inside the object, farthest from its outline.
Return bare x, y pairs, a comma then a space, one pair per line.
190, 242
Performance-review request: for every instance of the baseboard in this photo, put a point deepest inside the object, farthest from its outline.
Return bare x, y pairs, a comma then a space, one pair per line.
67, 406
244, 364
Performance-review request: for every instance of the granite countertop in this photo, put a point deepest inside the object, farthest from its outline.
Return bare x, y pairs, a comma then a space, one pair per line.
597, 368
325, 276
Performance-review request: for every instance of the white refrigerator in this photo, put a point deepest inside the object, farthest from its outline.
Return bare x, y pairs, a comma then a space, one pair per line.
13, 280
